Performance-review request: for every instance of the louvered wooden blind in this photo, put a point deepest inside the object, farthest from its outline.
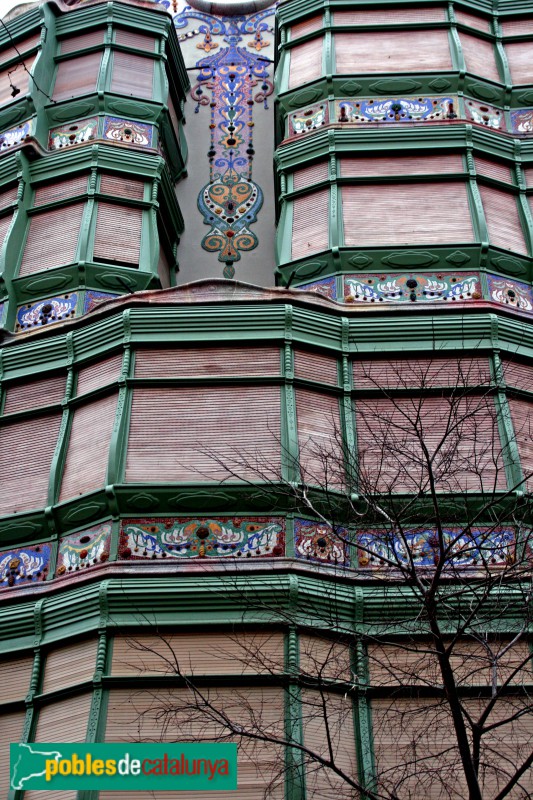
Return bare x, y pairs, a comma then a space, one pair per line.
388, 166
100, 373
65, 721
118, 234
5, 223
392, 51
177, 434
418, 213
52, 239
34, 394
132, 38
88, 448
421, 373
479, 56
518, 375
503, 220
325, 657
8, 196
20, 47
315, 367
310, 224
26, 450
121, 187
522, 417
493, 169
520, 62
51, 192
16, 76
307, 26
332, 725
528, 172
194, 362
390, 16
76, 43
132, 75
472, 20
306, 62
11, 726
517, 27
199, 654
66, 666
77, 76
319, 436
464, 431
15, 674
314, 173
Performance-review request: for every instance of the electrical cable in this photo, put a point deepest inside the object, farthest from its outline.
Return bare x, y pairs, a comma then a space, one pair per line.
4, 26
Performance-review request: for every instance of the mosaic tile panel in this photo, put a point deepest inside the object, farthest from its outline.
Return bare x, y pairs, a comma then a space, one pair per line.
510, 293
319, 543
308, 119
395, 109
16, 135
477, 547
126, 131
483, 114
326, 287
84, 549
522, 120
186, 538
46, 312
93, 299
411, 287
84, 130
23, 565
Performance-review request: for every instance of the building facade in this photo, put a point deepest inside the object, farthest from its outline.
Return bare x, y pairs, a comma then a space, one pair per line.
186, 333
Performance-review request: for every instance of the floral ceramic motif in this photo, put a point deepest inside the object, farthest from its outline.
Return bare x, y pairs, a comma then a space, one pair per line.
510, 293
84, 549
46, 312
317, 542
409, 288
24, 565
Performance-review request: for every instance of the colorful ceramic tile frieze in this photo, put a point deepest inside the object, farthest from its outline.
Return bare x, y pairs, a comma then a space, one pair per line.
510, 293
93, 299
522, 120
16, 135
23, 565
219, 537
84, 549
468, 548
231, 81
483, 114
308, 119
410, 287
46, 312
317, 542
128, 132
396, 109
84, 130
326, 287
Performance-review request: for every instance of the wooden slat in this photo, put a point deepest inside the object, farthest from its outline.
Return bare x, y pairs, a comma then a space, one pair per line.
121, 187
317, 367
192, 362
528, 172
134, 715
132, 75
503, 221
320, 781
479, 56
135, 39
493, 169
33, 394
463, 429
76, 43
417, 372
118, 234
389, 16
387, 166
517, 374
314, 173
66, 666
517, 27
472, 20
522, 417
306, 62
20, 47
25, 468
307, 26
520, 62
11, 726
15, 674
99, 373
392, 51
421, 213
199, 654
50, 192
88, 448
52, 239
325, 658
321, 460
5, 223
64, 721
8, 196
77, 76
18, 76
310, 224
178, 434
